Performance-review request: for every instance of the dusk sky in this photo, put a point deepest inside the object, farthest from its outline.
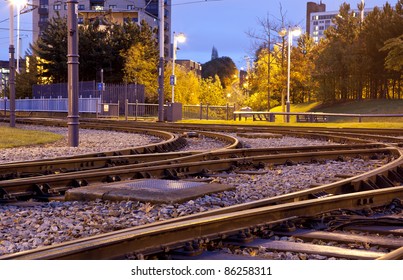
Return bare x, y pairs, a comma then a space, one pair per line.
219, 23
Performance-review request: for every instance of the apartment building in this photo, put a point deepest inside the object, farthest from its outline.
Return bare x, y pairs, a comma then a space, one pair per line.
109, 11
190, 65
318, 19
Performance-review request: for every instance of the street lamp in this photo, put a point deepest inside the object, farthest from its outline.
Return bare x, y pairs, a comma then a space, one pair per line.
13, 3
178, 38
292, 31
19, 4
12, 64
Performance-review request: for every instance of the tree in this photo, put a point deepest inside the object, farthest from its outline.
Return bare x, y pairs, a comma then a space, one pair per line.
141, 68
121, 38
99, 48
303, 63
93, 50
223, 67
265, 43
51, 47
211, 91
394, 58
26, 78
187, 86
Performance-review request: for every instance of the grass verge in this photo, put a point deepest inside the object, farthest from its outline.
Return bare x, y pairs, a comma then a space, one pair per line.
15, 137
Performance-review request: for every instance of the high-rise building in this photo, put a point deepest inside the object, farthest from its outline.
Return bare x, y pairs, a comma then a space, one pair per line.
312, 7
108, 11
318, 19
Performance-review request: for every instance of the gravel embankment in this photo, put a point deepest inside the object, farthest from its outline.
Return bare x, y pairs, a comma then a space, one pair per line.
27, 227
90, 141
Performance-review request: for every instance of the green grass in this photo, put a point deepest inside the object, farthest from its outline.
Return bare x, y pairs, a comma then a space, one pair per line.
362, 107
302, 107
15, 137
379, 125
365, 107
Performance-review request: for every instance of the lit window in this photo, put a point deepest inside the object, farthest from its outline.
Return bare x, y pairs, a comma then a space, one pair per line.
98, 8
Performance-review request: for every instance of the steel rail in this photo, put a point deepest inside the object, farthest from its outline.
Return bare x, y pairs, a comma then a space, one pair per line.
253, 128
45, 167
162, 236
147, 153
394, 255
213, 127
342, 135
55, 184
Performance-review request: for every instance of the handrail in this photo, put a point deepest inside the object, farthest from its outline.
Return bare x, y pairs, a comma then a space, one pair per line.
246, 114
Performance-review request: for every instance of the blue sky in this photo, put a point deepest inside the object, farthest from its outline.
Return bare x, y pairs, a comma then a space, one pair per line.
208, 23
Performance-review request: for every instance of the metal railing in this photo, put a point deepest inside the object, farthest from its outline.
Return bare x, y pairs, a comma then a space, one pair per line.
208, 112
140, 110
111, 109
313, 116
85, 105
107, 110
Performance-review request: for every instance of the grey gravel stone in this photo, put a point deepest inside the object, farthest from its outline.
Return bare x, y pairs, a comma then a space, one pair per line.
28, 227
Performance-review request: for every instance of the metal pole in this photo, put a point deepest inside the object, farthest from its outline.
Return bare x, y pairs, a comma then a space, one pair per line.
288, 74
173, 68
102, 83
18, 38
72, 76
12, 68
161, 63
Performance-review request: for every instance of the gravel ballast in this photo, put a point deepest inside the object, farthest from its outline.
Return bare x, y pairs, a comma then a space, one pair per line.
24, 227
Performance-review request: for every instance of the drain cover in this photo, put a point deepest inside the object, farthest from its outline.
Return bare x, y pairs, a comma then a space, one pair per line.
151, 190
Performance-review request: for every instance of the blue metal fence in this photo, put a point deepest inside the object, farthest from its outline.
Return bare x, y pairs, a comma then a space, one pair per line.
85, 105
107, 109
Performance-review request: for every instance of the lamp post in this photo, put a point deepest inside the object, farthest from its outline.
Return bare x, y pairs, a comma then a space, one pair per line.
295, 31
161, 43
11, 79
178, 38
19, 4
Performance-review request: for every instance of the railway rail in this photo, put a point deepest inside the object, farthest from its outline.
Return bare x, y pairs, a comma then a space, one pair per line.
178, 233
48, 186
376, 188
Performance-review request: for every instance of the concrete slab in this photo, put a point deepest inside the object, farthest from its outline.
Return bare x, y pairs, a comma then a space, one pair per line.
147, 190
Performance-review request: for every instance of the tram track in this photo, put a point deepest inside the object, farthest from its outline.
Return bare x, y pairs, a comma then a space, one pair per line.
371, 189
51, 185
175, 234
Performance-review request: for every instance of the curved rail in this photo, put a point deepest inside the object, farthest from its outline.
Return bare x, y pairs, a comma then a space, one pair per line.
147, 153
167, 235
55, 184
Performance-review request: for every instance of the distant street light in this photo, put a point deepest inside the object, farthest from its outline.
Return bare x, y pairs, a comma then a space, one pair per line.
19, 4
12, 62
178, 38
294, 31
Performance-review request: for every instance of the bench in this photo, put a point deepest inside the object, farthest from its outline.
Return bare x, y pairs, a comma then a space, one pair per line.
256, 115
313, 118
264, 117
